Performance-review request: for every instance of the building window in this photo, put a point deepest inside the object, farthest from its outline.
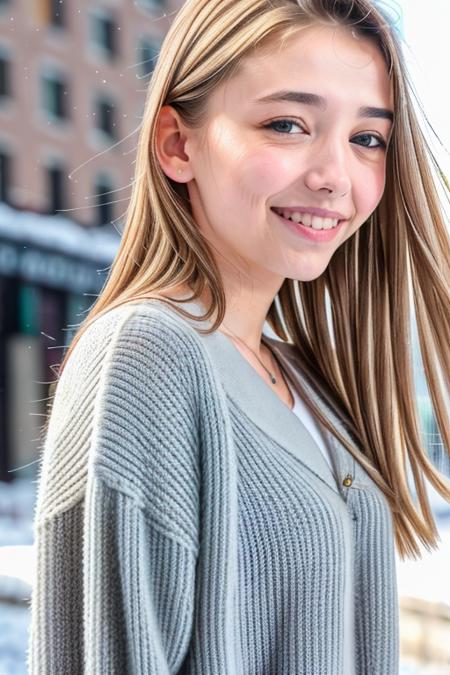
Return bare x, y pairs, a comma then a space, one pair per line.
5, 177
104, 33
105, 116
28, 308
56, 189
54, 95
5, 75
149, 5
103, 194
51, 12
148, 54
56, 13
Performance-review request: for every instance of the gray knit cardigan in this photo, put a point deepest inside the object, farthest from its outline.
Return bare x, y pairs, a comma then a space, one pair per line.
187, 522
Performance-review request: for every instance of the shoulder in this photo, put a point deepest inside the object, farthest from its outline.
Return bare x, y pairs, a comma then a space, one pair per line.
126, 408
138, 325
137, 364
135, 339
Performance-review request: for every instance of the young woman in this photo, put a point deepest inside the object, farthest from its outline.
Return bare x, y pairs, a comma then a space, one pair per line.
213, 500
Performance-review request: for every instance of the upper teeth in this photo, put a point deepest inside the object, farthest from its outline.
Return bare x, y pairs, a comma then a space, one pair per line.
316, 222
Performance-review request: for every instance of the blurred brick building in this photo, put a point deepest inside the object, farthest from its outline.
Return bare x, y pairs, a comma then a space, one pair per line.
73, 77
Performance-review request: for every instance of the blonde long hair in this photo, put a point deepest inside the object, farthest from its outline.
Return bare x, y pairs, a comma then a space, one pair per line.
365, 368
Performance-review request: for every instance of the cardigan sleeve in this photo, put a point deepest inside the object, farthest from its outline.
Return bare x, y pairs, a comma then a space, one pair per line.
116, 522
124, 605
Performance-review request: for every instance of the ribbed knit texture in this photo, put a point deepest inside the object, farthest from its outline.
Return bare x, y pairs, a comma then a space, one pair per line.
174, 534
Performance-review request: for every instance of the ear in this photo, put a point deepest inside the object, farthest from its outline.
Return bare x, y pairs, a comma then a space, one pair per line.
170, 139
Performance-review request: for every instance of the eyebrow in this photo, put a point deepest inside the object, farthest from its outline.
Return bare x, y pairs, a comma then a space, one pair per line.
321, 102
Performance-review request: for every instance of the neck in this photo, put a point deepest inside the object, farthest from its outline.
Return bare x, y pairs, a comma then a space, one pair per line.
244, 317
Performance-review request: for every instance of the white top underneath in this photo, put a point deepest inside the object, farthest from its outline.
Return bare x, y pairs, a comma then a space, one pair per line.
307, 418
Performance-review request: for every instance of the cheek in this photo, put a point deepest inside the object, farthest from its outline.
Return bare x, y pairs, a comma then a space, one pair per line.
262, 173
369, 191
244, 173
236, 154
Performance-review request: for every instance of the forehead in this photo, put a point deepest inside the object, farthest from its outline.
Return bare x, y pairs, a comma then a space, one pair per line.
329, 60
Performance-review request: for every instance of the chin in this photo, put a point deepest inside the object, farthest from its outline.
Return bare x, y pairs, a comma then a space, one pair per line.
308, 277
310, 272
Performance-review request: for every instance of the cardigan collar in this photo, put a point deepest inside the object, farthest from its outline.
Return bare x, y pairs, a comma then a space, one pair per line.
254, 396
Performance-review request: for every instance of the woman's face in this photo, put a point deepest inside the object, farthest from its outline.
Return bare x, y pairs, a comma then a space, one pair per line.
257, 154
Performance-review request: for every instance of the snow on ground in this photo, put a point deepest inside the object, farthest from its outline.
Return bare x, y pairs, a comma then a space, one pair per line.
17, 501
14, 622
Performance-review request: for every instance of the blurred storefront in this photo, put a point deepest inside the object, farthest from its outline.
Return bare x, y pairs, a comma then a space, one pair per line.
51, 270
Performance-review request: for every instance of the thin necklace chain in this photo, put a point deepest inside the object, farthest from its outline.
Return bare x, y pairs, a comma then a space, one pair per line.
271, 375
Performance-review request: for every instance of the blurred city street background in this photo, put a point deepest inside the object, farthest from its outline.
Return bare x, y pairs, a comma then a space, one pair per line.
73, 79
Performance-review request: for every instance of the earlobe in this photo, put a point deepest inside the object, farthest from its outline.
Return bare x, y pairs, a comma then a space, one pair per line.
169, 143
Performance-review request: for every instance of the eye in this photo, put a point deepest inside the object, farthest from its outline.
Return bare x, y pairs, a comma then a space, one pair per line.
272, 124
381, 143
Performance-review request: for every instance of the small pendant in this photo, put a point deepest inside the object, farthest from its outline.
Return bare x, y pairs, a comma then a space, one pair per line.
274, 381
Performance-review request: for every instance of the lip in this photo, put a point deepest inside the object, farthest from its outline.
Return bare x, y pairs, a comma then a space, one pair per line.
309, 233
314, 211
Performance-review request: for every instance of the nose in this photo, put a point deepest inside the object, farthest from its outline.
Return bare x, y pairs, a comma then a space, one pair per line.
328, 170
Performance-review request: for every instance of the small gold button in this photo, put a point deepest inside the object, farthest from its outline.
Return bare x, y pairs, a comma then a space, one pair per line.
348, 480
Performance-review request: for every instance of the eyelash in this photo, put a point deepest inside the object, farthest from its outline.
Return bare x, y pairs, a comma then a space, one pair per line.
369, 147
